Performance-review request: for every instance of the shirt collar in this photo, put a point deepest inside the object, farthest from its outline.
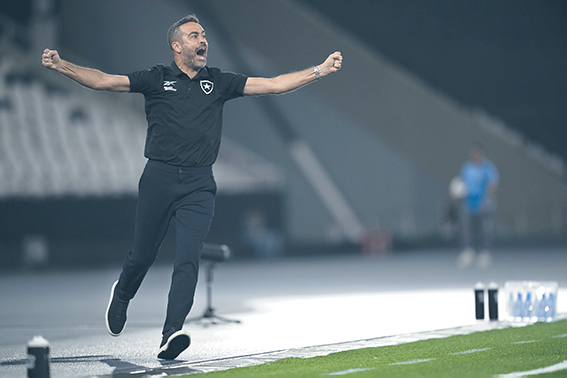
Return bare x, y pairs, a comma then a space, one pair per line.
203, 73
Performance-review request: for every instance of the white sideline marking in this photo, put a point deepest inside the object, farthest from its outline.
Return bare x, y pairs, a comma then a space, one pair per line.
564, 335
470, 351
526, 342
412, 361
349, 371
550, 369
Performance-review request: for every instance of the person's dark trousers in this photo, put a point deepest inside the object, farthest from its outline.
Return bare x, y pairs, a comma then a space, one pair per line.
478, 230
186, 195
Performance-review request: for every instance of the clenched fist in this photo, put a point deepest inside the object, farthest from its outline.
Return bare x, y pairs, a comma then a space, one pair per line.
50, 59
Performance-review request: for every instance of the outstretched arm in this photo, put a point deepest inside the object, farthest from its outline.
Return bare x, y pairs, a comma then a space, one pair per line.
88, 77
292, 81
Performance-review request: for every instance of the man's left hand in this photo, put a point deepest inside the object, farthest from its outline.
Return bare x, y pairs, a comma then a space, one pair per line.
332, 64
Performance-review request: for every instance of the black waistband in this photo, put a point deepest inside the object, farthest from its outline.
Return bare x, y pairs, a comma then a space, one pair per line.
174, 168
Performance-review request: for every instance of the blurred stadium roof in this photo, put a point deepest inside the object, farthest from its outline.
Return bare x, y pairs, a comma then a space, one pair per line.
507, 57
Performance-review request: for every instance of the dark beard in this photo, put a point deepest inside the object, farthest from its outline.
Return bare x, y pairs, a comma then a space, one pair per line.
189, 61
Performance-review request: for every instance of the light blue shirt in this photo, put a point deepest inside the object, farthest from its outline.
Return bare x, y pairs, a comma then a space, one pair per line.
478, 177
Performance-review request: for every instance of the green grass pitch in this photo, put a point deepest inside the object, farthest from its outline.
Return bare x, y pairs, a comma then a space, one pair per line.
534, 350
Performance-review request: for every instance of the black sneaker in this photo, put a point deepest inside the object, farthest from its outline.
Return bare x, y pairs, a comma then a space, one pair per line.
173, 343
116, 313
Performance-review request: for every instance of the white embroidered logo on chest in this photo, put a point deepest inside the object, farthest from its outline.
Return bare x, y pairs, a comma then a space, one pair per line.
207, 86
168, 86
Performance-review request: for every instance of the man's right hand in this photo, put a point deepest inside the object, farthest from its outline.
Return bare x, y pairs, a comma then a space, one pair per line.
88, 77
50, 59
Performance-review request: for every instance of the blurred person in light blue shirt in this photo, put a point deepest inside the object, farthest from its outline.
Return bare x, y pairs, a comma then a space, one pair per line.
480, 178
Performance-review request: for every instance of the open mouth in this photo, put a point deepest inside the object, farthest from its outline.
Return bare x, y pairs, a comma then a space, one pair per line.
202, 52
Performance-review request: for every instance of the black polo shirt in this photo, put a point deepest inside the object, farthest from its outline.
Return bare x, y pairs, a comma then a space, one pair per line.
185, 115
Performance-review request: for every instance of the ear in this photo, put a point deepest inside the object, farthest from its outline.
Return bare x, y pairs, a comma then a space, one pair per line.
176, 46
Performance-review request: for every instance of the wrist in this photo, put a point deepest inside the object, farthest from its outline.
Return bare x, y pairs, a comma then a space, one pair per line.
61, 66
317, 72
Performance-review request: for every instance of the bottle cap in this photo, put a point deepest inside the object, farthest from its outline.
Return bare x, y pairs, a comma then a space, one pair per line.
38, 342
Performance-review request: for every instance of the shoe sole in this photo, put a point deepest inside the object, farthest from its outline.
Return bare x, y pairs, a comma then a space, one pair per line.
175, 345
108, 309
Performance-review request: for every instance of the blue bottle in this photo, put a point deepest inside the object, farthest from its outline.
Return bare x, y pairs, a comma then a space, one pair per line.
517, 312
551, 312
542, 309
510, 307
527, 308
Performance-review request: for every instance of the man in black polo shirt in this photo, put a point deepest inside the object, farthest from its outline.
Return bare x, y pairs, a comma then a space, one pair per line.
184, 107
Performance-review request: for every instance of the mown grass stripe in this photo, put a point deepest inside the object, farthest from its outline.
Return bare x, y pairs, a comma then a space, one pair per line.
411, 362
469, 351
549, 369
349, 371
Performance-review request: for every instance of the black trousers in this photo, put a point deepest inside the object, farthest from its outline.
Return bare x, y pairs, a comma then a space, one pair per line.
186, 195
478, 230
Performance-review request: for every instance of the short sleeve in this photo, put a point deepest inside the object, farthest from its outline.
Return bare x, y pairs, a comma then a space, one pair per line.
232, 85
145, 81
